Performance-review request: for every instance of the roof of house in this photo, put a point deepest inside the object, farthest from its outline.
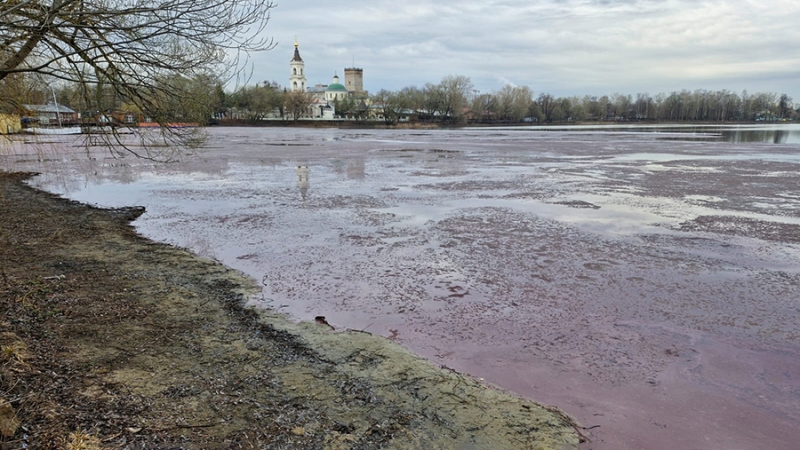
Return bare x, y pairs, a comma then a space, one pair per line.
49, 108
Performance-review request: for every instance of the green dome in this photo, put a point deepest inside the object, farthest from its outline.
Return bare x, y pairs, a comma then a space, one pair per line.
336, 87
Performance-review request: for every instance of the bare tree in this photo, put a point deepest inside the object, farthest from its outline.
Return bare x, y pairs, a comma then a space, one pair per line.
577, 110
433, 101
485, 108
389, 104
138, 49
622, 105
454, 90
547, 104
255, 103
643, 106
513, 102
785, 105
297, 104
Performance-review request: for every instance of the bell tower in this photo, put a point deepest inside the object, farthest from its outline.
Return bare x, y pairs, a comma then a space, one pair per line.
297, 76
354, 80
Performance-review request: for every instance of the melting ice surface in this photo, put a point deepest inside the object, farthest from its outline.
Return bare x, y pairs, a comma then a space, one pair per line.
624, 277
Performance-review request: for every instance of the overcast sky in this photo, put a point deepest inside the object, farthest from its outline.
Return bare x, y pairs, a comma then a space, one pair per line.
564, 47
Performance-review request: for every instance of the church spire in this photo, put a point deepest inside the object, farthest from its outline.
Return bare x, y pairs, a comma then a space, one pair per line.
297, 79
296, 52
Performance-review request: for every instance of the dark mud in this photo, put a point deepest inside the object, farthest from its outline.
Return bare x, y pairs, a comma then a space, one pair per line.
646, 286
112, 341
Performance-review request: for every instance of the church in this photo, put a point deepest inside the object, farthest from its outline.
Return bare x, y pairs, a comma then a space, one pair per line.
324, 96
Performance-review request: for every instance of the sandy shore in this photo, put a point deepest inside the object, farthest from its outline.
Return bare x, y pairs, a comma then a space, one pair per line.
118, 342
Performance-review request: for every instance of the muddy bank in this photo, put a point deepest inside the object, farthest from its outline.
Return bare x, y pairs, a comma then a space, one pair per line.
124, 343
627, 277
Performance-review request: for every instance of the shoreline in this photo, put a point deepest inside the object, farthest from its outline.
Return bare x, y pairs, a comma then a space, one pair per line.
377, 125
112, 337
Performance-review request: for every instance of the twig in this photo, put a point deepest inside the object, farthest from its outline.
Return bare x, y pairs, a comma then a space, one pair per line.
575, 425
350, 330
176, 427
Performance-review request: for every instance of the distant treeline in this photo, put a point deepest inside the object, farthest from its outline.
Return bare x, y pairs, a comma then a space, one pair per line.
453, 101
699, 105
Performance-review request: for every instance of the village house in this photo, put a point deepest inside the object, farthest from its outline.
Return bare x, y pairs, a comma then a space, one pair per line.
126, 117
50, 114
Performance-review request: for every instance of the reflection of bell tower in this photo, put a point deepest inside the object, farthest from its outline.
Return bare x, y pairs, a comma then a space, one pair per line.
297, 77
302, 180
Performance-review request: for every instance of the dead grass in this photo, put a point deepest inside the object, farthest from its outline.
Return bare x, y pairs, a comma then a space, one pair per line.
15, 352
80, 440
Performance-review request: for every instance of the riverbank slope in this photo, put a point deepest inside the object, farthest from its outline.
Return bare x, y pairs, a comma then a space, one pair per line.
118, 342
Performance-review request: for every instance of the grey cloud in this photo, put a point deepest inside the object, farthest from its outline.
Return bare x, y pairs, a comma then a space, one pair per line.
557, 46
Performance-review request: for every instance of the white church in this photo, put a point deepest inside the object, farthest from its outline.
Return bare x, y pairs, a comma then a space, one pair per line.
325, 95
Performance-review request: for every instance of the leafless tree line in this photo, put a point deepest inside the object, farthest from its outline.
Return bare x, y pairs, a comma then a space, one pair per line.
517, 104
454, 101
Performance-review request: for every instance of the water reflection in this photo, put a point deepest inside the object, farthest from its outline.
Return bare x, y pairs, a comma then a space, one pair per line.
774, 136
505, 215
355, 169
786, 133
737, 136
302, 180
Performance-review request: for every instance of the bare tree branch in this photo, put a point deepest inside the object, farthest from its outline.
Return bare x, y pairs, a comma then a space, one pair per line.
144, 52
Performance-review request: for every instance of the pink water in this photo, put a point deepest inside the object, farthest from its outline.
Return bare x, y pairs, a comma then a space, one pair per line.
647, 287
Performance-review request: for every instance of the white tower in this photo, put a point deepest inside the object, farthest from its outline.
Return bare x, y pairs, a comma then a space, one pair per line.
297, 76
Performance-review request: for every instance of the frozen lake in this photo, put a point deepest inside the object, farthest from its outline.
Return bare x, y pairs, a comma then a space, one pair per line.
643, 279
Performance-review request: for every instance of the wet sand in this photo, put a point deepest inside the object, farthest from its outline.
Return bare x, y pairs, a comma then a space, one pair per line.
644, 283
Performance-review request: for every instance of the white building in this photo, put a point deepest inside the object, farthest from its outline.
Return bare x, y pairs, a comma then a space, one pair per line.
323, 96
297, 76
335, 91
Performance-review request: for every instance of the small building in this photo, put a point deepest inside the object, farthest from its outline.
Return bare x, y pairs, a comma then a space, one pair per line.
126, 117
328, 112
335, 91
49, 114
317, 108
